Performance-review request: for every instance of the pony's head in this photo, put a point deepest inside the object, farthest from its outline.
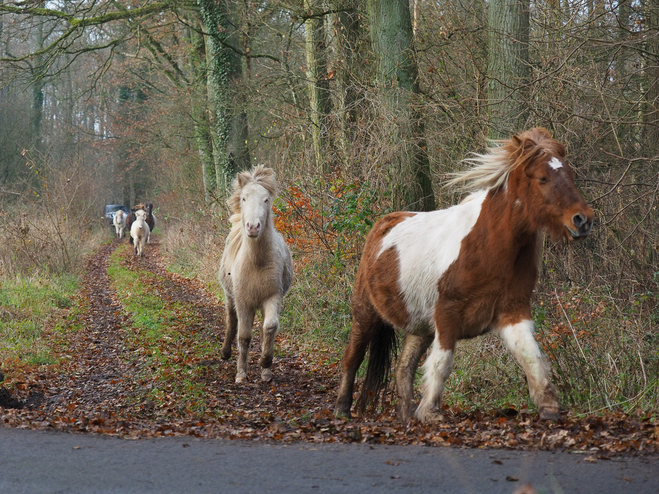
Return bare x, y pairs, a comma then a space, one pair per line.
530, 168
253, 193
545, 185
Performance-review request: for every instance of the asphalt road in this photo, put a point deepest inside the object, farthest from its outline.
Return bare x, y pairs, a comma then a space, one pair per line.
46, 462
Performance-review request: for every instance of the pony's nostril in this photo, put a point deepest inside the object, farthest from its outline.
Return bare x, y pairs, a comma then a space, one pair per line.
579, 220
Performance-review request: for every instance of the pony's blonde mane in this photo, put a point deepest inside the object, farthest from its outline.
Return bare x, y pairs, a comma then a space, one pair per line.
492, 169
261, 175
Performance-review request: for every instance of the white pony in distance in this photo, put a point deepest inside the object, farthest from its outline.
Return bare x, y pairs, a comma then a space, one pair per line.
119, 222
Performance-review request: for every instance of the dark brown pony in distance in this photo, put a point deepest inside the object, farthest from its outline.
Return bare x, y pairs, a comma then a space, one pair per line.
457, 273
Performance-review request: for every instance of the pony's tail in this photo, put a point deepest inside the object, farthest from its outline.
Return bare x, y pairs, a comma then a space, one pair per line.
381, 352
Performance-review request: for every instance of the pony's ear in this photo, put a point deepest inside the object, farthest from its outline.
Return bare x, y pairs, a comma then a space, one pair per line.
242, 178
517, 141
543, 132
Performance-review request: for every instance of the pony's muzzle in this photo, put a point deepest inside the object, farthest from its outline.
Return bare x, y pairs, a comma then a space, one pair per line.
252, 229
582, 224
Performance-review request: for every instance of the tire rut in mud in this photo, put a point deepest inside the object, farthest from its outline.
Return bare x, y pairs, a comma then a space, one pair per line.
95, 380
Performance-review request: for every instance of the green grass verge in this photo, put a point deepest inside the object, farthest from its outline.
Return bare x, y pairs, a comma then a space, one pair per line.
27, 305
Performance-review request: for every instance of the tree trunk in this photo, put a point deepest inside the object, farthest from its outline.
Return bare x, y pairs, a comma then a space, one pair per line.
239, 75
651, 113
508, 66
202, 133
392, 39
38, 84
346, 36
213, 17
317, 81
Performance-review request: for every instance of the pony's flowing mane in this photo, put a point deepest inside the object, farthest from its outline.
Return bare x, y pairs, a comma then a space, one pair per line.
492, 169
261, 175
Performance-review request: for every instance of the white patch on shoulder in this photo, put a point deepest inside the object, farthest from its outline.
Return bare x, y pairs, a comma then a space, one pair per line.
555, 163
427, 244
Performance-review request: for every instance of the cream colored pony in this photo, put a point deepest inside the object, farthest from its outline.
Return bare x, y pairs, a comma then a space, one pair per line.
256, 269
140, 232
119, 222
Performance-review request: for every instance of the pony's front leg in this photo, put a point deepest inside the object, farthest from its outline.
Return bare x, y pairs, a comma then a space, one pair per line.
231, 326
414, 347
436, 370
245, 322
270, 328
520, 341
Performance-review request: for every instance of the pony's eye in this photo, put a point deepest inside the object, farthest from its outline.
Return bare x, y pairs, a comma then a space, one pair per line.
243, 199
542, 180
267, 199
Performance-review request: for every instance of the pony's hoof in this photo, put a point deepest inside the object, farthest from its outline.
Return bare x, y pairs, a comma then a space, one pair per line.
241, 377
405, 411
266, 375
226, 354
550, 413
429, 415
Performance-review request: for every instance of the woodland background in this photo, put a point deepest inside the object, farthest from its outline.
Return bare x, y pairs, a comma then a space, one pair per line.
362, 107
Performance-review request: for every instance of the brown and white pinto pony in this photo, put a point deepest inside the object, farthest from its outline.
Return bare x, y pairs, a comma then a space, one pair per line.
256, 269
442, 276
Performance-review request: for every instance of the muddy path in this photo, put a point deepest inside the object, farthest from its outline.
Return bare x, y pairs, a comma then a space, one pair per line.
100, 387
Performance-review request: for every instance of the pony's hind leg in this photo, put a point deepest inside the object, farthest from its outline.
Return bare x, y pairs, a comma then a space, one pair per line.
414, 347
521, 343
270, 329
245, 322
365, 321
231, 327
436, 370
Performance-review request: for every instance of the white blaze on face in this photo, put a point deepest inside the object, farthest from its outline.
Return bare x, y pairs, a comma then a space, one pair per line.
427, 244
555, 163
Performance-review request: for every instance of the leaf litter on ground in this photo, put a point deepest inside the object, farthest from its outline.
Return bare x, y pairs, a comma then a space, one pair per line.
109, 382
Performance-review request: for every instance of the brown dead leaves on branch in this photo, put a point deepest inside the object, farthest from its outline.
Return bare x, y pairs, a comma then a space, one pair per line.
102, 386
